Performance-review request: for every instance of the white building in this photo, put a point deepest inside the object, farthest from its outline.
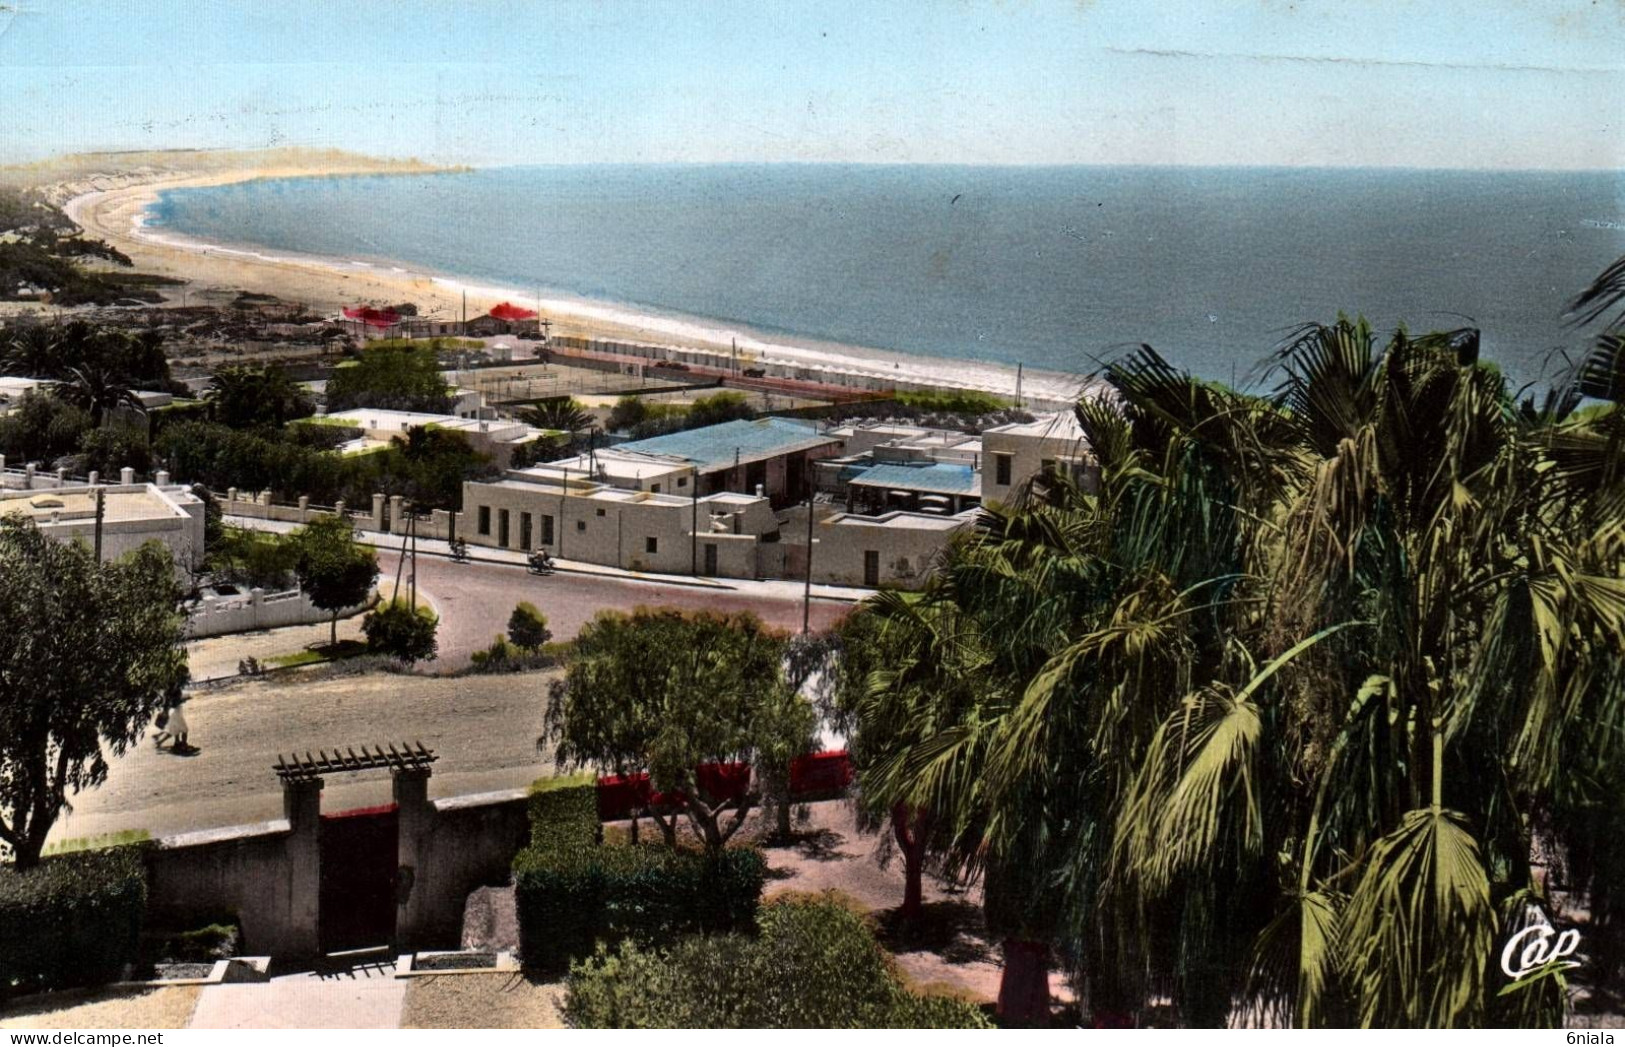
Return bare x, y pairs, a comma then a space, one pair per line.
132, 514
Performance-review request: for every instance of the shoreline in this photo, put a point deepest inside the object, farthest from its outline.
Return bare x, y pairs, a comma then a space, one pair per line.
325, 284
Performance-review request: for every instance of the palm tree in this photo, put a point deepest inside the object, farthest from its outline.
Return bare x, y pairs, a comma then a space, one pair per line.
1268, 722
563, 414
98, 390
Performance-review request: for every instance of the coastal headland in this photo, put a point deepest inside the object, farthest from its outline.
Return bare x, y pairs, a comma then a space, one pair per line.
107, 195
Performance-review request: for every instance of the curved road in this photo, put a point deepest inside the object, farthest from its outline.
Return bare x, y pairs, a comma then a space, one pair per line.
475, 599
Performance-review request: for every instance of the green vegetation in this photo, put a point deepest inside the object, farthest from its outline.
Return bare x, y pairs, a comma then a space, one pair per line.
664, 692
400, 377
571, 896
40, 249
93, 651
813, 964
527, 627
641, 418
427, 467
1280, 715
562, 414
402, 631
333, 569
962, 401
252, 397
71, 921
256, 559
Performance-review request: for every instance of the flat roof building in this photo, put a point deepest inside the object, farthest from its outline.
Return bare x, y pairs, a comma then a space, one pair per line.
132, 515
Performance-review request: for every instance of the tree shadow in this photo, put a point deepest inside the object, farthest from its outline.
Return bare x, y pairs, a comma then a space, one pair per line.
819, 845
954, 930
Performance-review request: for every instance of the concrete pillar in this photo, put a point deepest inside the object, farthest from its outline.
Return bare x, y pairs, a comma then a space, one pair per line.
28, 477
94, 478
265, 499
2, 463
126, 476
397, 521
231, 496
338, 508
302, 806
415, 837
161, 478
377, 512
304, 508
440, 525
61, 477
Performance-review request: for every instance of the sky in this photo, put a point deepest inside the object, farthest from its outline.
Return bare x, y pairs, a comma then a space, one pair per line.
1391, 83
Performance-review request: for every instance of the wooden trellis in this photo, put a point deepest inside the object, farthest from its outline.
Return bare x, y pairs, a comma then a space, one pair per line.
411, 756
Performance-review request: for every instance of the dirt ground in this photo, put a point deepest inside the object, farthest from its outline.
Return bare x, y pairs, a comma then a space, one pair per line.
484, 729
482, 1001
166, 1008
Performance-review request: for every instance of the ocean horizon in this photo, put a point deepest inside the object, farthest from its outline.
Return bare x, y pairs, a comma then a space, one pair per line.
1059, 269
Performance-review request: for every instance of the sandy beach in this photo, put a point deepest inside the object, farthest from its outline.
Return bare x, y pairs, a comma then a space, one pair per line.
216, 272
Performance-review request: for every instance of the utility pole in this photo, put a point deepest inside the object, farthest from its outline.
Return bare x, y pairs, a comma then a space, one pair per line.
806, 592
1018, 385
694, 525
101, 512
412, 532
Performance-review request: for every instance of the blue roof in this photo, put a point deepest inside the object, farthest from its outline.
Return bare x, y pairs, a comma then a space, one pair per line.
936, 478
720, 446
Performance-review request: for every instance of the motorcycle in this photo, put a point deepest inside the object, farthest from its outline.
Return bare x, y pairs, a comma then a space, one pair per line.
459, 551
540, 563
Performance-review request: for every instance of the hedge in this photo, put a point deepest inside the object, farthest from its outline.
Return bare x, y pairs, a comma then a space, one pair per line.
570, 899
814, 964
73, 920
564, 812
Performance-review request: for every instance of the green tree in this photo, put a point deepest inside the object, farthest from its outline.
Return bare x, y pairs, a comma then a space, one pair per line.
563, 414
403, 377
402, 631
663, 692
91, 653
42, 427
716, 409
109, 449
98, 389
527, 628
334, 570
1258, 722
250, 397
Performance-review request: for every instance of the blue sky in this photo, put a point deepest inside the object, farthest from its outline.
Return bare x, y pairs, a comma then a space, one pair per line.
1493, 84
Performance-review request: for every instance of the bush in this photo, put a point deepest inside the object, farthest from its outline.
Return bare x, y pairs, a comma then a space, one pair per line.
71, 921
216, 941
527, 627
571, 898
814, 964
401, 631
505, 657
564, 812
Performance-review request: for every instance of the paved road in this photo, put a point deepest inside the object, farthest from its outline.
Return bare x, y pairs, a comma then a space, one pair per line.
475, 599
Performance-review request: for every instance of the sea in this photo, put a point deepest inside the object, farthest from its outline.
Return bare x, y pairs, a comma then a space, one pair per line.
1060, 269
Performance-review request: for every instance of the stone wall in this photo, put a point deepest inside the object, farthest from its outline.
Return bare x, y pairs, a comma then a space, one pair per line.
268, 875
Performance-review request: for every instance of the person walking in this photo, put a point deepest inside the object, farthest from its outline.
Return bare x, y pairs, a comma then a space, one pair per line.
176, 728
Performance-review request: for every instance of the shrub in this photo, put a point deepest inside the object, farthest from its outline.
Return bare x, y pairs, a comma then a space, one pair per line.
215, 941
564, 812
527, 627
401, 631
814, 964
505, 657
568, 899
71, 921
